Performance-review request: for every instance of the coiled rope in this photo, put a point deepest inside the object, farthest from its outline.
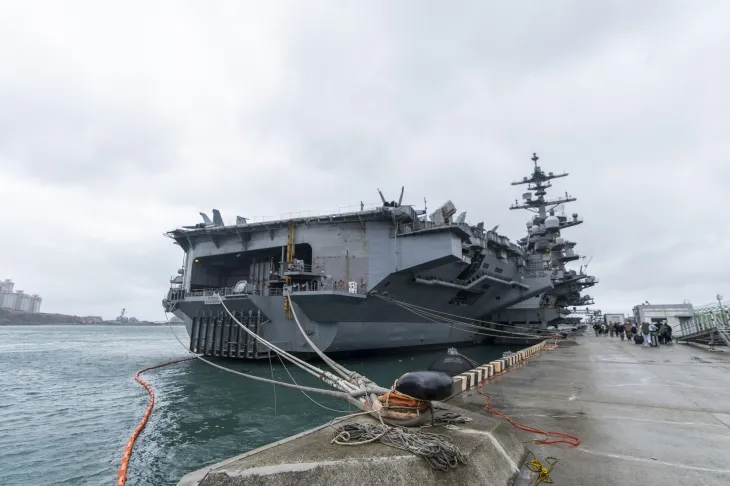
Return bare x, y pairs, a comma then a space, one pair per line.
437, 449
538, 472
126, 456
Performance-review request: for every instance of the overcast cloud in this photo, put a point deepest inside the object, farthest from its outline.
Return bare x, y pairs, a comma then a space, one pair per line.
119, 121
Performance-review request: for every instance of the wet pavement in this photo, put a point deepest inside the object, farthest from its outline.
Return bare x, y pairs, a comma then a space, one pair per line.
645, 416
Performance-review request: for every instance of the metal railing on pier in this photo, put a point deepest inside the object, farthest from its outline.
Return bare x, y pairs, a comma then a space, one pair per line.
710, 324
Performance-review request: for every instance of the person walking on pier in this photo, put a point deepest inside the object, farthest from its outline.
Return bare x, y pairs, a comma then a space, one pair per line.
621, 331
654, 335
596, 327
645, 333
663, 333
627, 330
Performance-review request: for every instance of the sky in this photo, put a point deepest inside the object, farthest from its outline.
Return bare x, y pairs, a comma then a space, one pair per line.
121, 120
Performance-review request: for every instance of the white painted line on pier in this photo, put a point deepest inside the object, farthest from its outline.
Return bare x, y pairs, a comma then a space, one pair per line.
496, 443
307, 466
657, 462
604, 417
687, 385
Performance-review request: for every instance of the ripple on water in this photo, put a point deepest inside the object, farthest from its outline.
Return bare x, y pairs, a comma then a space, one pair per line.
68, 404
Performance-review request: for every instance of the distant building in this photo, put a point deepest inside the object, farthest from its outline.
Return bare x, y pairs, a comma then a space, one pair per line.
18, 300
35, 304
676, 315
6, 285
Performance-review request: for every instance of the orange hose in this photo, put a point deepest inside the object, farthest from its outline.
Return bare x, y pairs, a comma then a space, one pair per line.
568, 439
122, 476
548, 440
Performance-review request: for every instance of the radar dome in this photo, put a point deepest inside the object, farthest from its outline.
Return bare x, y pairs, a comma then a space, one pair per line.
552, 222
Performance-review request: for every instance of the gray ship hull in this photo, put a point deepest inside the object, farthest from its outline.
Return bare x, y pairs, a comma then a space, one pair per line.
380, 325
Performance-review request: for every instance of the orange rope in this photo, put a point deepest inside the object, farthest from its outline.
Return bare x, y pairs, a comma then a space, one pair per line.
395, 399
548, 440
122, 476
569, 439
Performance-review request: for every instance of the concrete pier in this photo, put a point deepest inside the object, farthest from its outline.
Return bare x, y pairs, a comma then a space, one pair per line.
493, 452
644, 416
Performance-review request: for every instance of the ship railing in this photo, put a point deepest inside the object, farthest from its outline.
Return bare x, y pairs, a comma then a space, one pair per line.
320, 287
401, 229
181, 294
417, 225
313, 213
299, 267
176, 295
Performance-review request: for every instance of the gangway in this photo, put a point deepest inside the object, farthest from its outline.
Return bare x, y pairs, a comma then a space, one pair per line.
710, 325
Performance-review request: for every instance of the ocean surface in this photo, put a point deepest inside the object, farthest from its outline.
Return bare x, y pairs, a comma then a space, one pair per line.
68, 404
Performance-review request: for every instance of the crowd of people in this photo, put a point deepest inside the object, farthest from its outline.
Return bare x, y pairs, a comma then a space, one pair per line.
648, 334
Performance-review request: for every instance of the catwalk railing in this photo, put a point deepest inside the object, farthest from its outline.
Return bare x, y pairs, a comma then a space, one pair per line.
175, 295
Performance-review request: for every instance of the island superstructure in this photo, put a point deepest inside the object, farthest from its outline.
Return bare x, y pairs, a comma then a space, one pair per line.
546, 252
350, 275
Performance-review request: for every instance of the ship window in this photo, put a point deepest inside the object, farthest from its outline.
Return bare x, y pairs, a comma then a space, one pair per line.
498, 270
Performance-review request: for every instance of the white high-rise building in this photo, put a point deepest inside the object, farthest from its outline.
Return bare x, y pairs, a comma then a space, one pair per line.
18, 300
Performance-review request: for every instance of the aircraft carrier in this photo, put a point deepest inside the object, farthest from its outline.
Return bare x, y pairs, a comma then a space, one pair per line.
368, 278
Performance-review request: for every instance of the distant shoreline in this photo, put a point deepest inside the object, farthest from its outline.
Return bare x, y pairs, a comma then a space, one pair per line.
18, 318
82, 324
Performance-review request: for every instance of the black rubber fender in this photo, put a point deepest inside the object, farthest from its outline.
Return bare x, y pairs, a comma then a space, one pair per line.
425, 385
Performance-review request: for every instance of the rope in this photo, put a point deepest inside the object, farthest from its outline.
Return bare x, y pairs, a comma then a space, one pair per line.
479, 330
432, 316
431, 311
548, 440
305, 393
331, 393
338, 368
538, 472
437, 449
451, 418
313, 370
273, 385
126, 456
